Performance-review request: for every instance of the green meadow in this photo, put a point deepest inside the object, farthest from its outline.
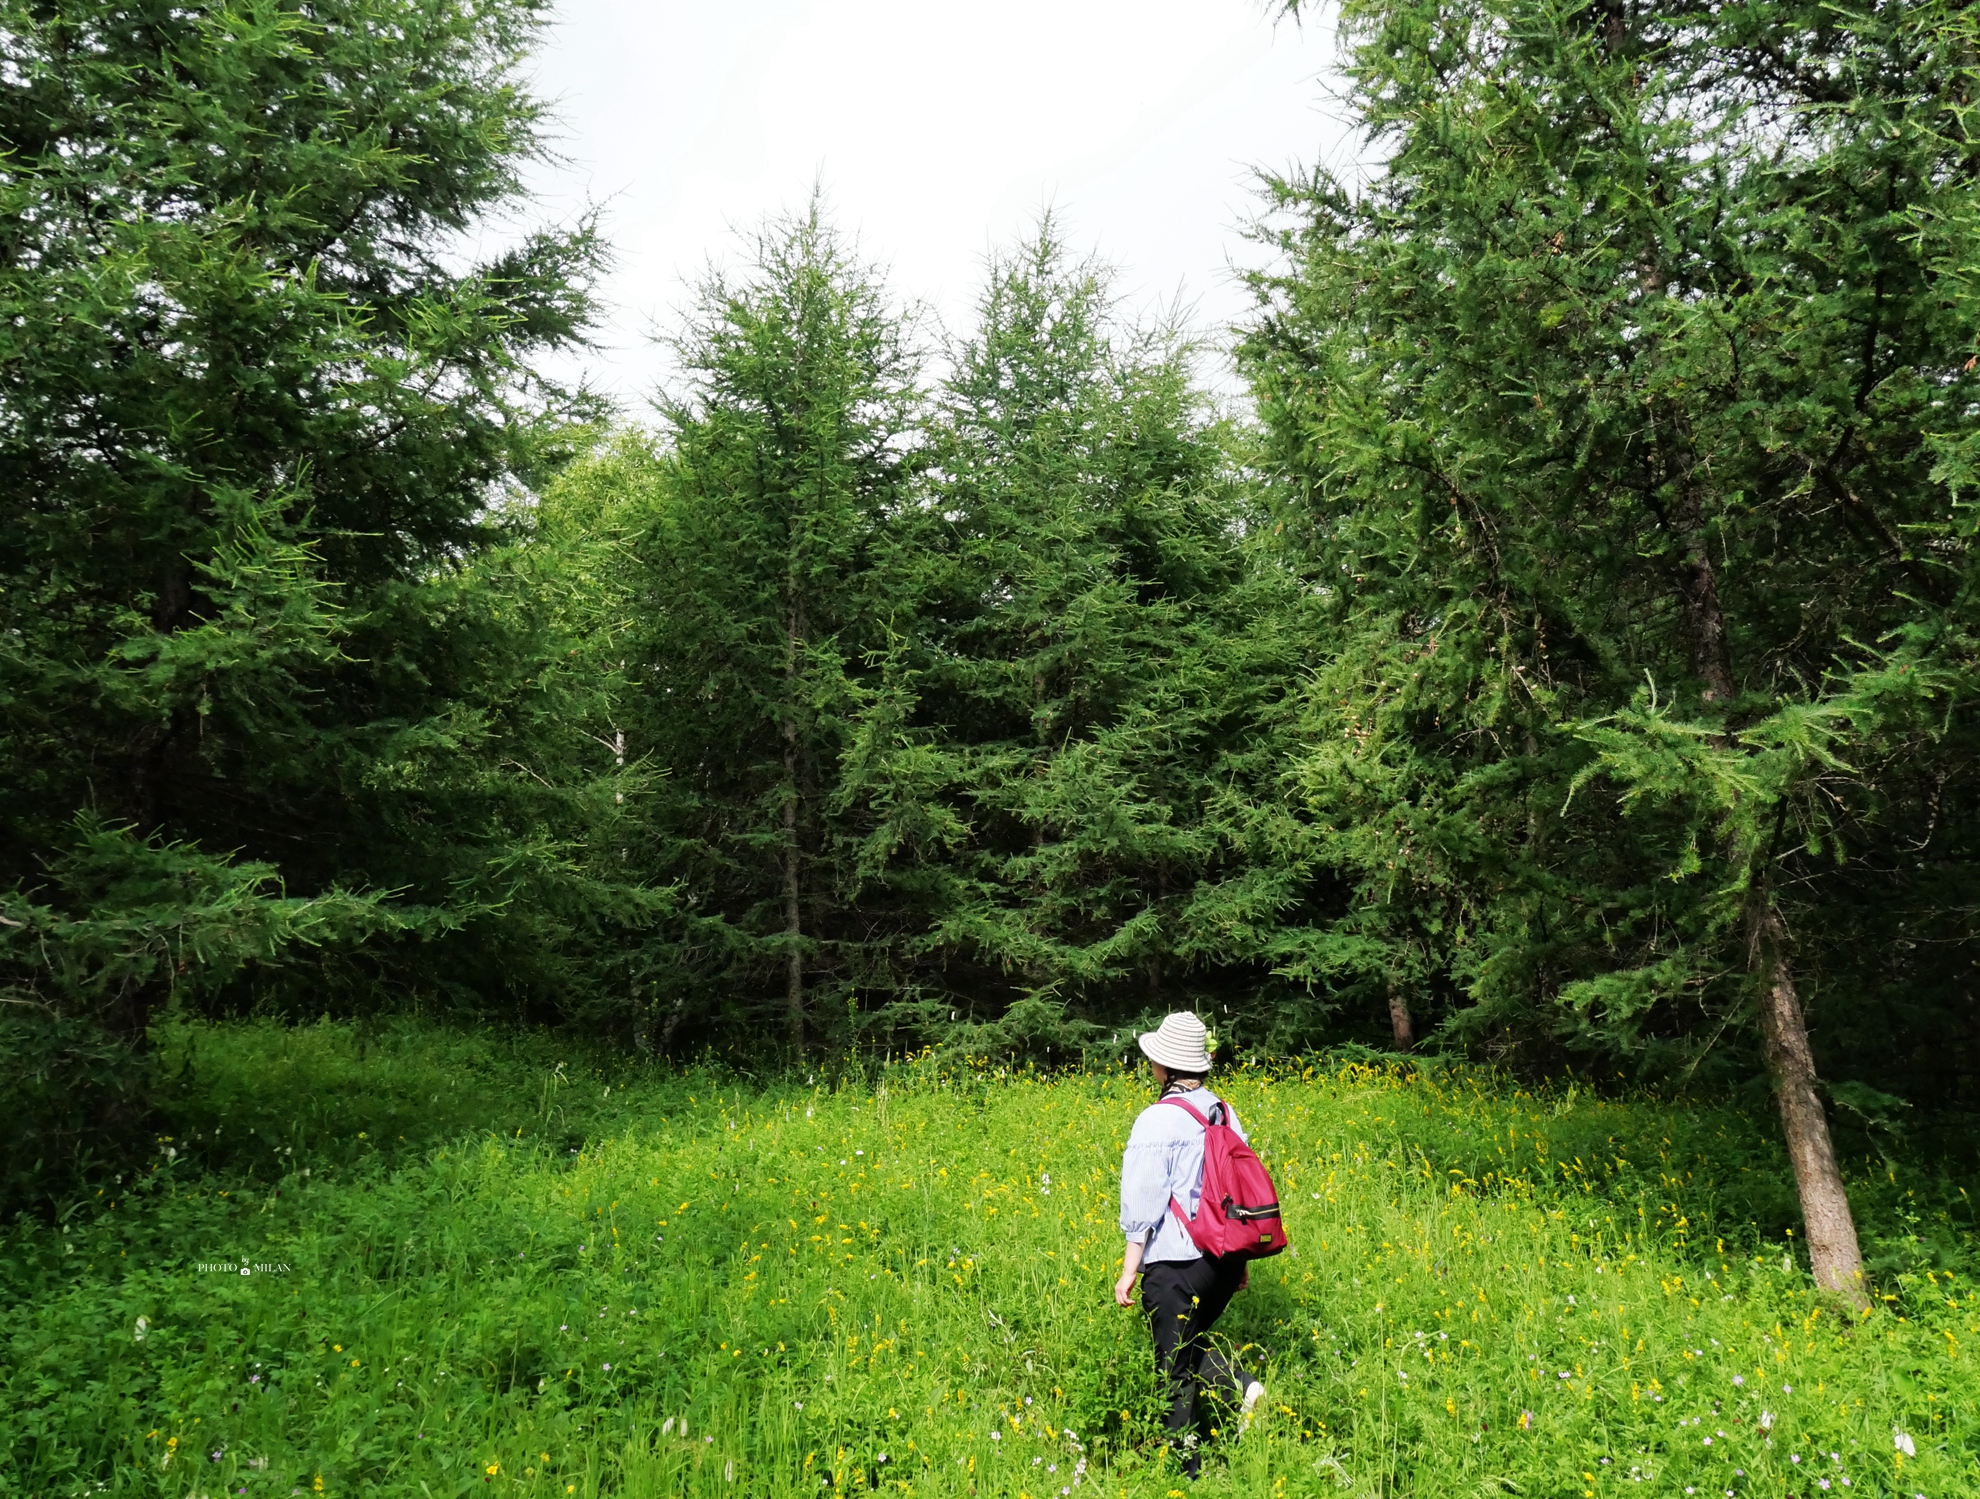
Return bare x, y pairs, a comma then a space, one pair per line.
475, 1268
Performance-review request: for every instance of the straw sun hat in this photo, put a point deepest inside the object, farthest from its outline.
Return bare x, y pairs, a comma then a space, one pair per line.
1179, 1043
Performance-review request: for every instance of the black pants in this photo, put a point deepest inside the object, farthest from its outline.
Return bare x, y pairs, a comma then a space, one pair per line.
1184, 1299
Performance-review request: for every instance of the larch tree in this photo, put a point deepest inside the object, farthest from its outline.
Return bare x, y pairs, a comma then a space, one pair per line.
253, 400
764, 599
1623, 414
1082, 648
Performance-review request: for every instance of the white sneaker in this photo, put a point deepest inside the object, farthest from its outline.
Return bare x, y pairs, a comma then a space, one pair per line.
1253, 1393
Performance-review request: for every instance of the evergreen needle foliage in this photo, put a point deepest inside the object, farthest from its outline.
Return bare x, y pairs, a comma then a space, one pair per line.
256, 418
1565, 656
1624, 410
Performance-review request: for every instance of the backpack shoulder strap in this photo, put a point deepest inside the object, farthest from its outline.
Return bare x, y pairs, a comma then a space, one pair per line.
1196, 1113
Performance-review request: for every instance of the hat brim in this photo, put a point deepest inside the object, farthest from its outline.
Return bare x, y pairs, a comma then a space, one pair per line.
1153, 1047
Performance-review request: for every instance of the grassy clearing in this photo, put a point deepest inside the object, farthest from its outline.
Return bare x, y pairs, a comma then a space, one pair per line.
508, 1275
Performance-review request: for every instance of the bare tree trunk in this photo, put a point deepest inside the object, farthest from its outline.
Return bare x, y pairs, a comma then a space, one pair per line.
1399, 1019
674, 1013
793, 908
152, 751
1833, 1255
1698, 580
793, 912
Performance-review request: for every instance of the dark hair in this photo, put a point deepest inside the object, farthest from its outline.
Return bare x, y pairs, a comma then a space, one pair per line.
1178, 1084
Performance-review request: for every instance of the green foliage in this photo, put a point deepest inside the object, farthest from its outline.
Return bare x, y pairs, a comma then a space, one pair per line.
1069, 743
1579, 639
263, 600
760, 590
242, 388
1617, 414
122, 927
470, 1228
973, 700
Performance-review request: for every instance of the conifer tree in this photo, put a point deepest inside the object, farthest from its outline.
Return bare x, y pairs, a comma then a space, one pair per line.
253, 402
764, 598
1624, 416
1048, 757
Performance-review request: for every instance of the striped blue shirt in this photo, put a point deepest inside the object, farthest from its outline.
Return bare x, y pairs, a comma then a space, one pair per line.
1164, 1159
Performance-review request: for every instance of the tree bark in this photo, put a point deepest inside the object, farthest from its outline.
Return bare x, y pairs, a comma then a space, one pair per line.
1399, 1019
1833, 1255
1698, 579
152, 749
674, 1013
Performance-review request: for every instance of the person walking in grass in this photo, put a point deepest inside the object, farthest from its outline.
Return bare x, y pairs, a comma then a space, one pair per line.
1183, 1290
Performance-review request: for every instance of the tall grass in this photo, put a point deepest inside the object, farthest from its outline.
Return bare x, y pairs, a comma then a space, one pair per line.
498, 1273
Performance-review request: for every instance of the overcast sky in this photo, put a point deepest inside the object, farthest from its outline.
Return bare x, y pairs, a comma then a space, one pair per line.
938, 129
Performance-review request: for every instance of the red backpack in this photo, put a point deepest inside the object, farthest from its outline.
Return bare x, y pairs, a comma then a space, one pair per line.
1238, 1210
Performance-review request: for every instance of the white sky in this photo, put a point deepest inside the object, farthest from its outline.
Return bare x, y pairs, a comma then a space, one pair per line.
938, 130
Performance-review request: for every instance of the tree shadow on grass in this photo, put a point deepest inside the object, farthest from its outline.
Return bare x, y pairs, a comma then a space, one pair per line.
263, 1098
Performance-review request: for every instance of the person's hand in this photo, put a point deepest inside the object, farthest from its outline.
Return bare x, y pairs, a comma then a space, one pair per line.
1131, 1255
